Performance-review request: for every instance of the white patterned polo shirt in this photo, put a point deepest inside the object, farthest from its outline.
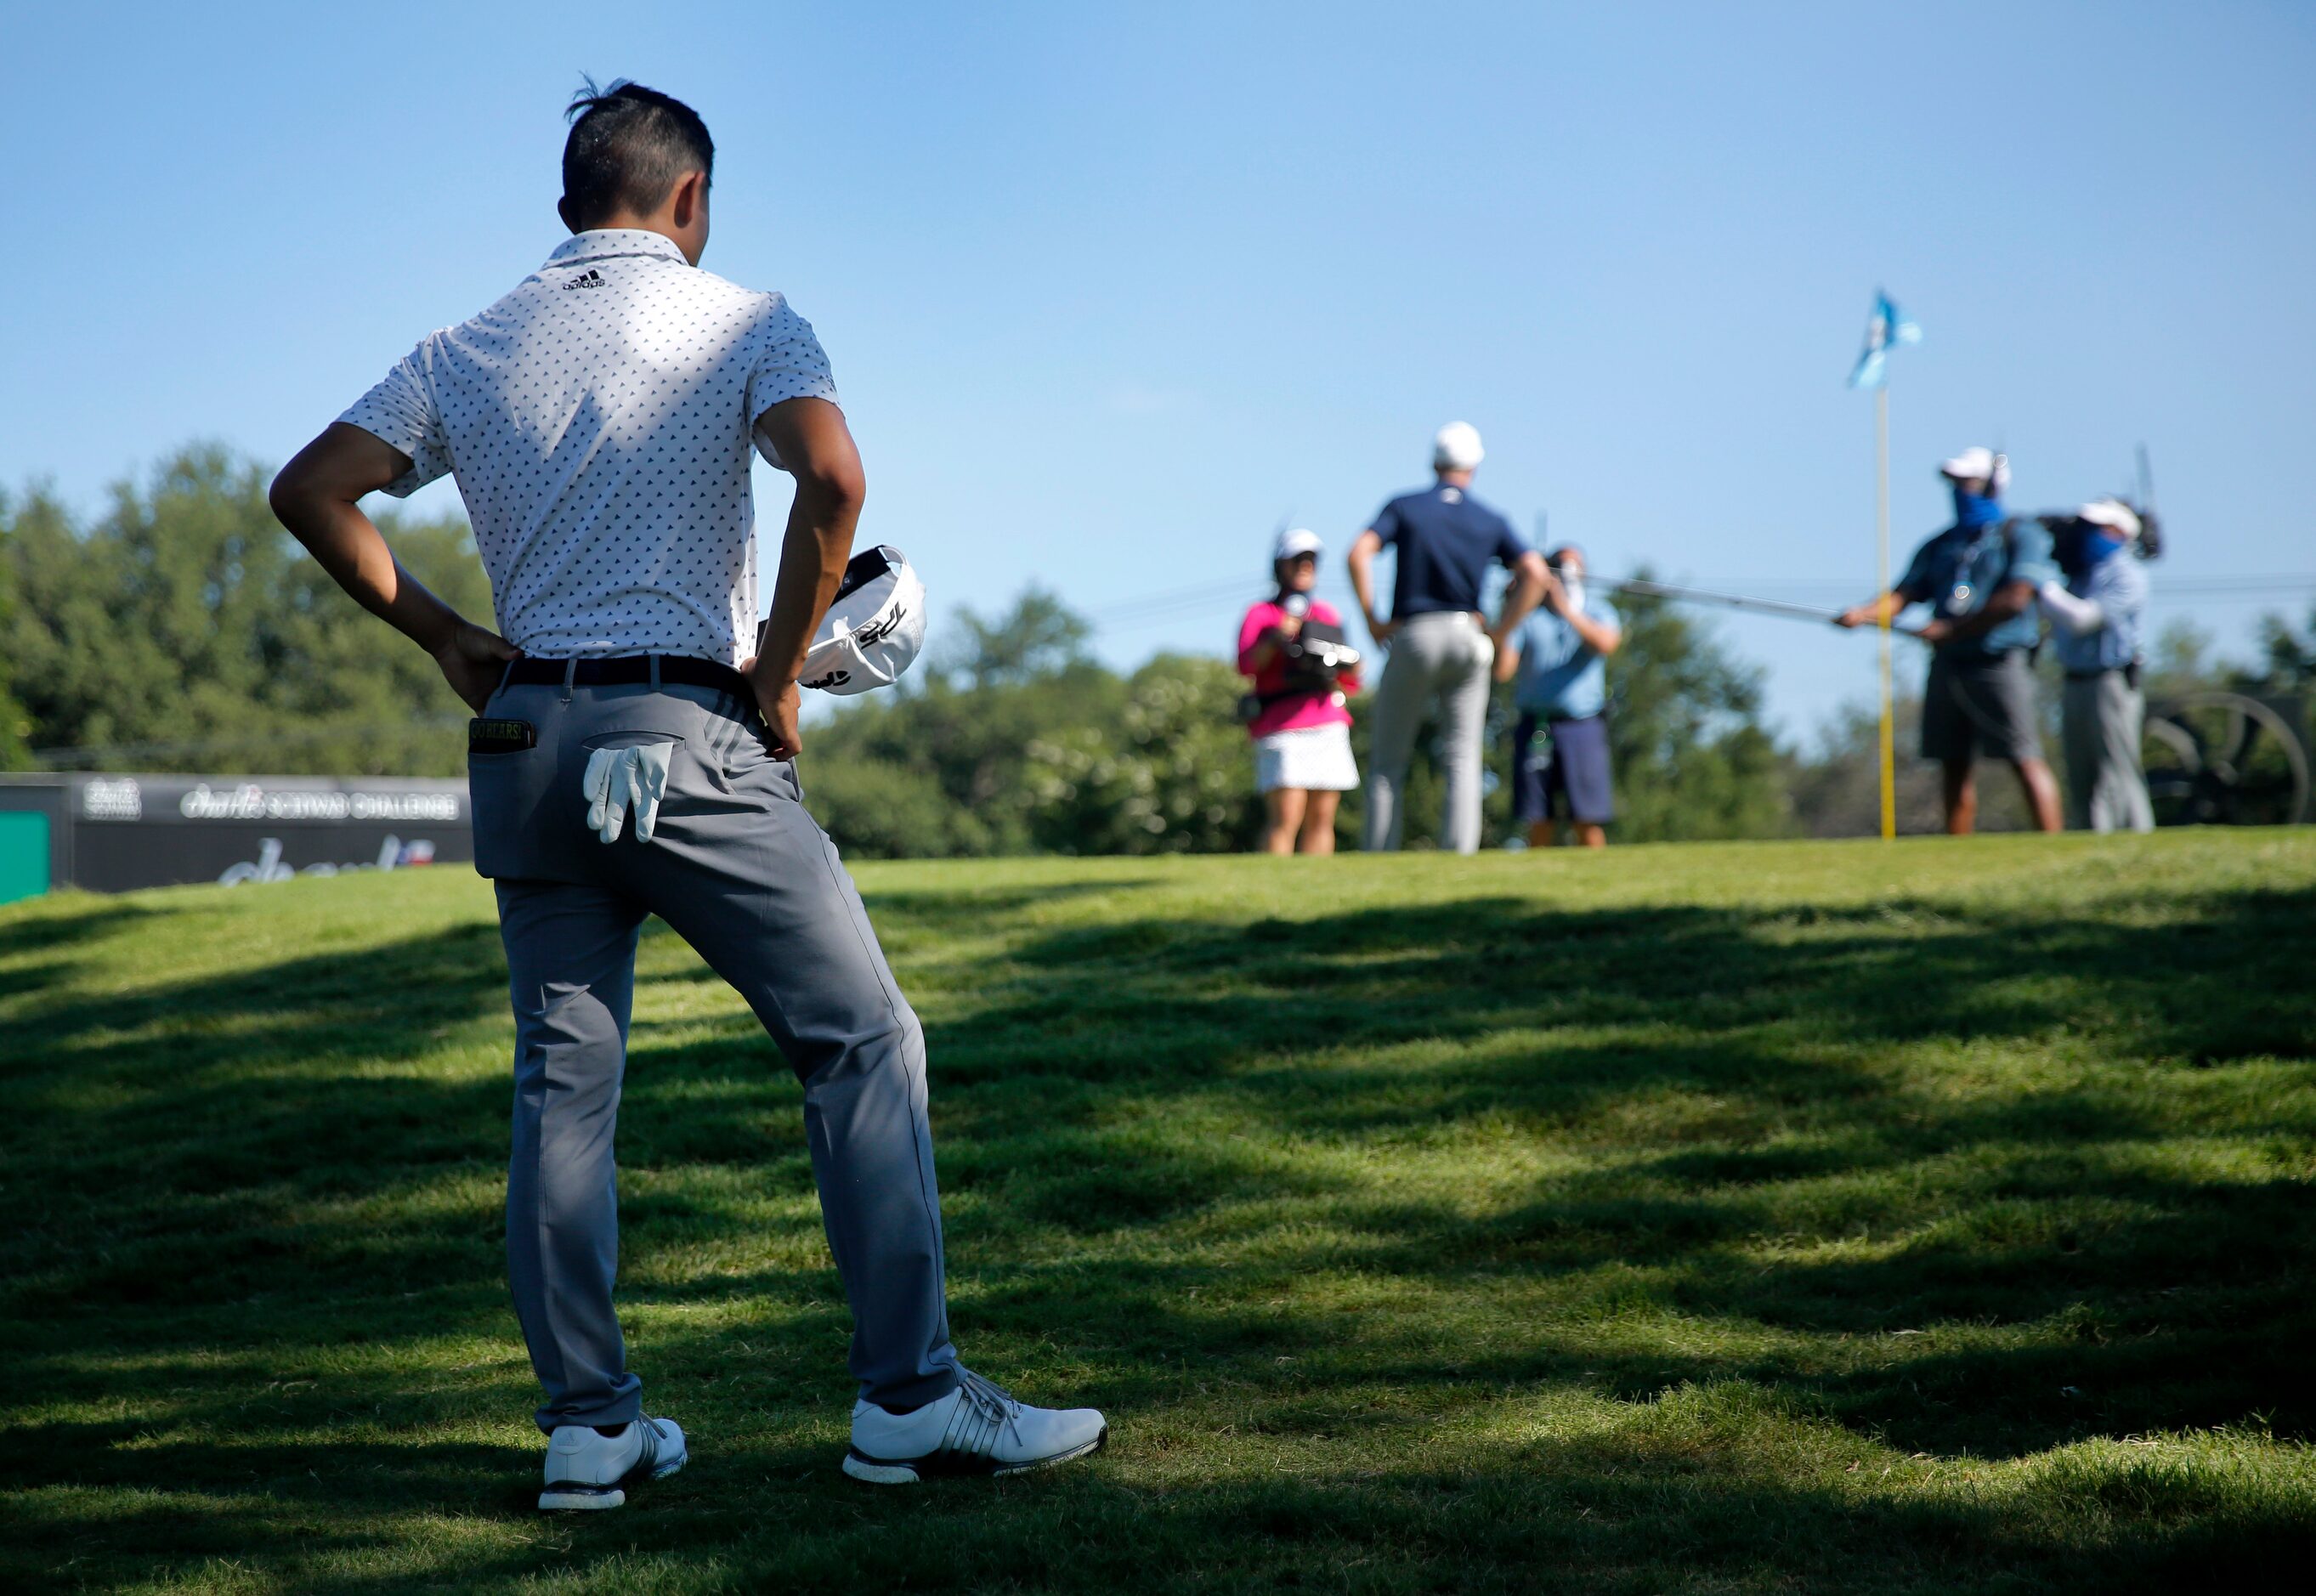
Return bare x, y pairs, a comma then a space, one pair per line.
599, 421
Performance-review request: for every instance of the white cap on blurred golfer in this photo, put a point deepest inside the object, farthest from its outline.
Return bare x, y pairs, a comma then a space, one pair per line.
1296, 544
874, 628
1978, 465
2113, 514
1455, 447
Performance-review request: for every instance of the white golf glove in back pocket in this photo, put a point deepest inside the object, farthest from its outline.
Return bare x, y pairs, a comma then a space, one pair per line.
619, 780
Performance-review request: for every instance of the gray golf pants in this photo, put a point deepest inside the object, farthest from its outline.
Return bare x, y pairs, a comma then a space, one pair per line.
1440, 658
2100, 722
740, 871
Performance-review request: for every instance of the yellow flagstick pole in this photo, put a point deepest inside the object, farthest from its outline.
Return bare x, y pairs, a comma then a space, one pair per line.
1881, 555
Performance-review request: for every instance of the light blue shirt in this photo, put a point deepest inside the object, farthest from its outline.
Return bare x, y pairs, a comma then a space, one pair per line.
1562, 677
2117, 585
1960, 569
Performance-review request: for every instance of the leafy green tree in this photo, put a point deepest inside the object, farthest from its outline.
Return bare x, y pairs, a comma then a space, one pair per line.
1038, 638
15, 724
1172, 773
184, 630
937, 766
1691, 757
2286, 662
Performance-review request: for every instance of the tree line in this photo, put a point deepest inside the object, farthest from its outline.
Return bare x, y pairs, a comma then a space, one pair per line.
181, 629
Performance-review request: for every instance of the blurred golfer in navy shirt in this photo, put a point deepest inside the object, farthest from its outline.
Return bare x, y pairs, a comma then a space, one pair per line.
1440, 644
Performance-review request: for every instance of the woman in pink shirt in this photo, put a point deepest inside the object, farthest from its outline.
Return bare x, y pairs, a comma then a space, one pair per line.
1302, 731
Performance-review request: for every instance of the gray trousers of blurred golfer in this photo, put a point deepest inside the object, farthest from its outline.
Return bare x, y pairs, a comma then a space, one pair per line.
2101, 719
1439, 659
739, 870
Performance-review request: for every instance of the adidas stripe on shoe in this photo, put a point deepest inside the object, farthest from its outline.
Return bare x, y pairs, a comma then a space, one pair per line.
978, 1429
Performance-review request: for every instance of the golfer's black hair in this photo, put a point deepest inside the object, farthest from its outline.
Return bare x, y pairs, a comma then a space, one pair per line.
1559, 555
629, 145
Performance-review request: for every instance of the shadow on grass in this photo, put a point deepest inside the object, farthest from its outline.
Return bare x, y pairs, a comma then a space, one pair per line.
229, 1176
1652, 1507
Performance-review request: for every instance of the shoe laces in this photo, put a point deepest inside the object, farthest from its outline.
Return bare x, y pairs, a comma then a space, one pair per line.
990, 1407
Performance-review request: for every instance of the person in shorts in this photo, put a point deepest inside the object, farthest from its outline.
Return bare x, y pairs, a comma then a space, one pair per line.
1301, 725
1560, 747
1981, 576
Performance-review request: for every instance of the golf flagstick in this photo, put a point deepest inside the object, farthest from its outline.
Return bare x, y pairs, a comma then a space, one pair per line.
1882, 586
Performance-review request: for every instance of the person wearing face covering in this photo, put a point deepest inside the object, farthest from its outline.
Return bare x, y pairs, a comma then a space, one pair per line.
1981, 576
2095, 618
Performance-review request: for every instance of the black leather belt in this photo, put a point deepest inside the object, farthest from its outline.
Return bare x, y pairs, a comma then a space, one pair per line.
630, 670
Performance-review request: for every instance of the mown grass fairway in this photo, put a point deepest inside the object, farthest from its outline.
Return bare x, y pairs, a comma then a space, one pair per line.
1750, 1217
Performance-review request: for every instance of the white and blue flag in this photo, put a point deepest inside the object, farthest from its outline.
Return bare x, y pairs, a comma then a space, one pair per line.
1885, 330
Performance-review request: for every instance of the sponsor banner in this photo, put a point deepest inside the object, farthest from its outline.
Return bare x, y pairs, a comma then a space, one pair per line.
125, 831
160, 800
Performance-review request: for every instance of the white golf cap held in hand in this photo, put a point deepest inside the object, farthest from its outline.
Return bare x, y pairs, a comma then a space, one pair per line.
619, 780
1455, 447
875, 627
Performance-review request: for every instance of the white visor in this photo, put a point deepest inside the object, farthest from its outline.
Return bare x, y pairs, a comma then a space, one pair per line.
2113, 514
873, 629
1296, 544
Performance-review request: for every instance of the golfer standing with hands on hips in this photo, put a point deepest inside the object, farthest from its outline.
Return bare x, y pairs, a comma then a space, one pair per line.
1441, 646
598, 420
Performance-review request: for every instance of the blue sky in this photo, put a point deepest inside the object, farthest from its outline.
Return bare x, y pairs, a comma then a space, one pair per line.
1109, 290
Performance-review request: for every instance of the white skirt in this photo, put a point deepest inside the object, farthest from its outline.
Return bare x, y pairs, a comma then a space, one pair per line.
1311, 758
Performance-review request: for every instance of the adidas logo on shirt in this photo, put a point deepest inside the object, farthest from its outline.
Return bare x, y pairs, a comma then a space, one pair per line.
590, 278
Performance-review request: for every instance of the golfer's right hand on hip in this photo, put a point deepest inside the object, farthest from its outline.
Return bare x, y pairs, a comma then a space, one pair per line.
780, 705
472, 660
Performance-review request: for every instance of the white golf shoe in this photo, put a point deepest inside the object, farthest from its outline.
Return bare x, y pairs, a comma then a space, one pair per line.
587, 1472
977, 1429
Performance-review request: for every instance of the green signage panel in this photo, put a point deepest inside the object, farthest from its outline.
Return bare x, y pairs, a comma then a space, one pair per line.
23, 856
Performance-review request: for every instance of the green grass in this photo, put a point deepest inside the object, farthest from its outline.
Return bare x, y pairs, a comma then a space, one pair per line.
1733, 1218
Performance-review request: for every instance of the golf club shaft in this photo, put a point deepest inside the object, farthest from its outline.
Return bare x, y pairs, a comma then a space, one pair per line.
1693, 595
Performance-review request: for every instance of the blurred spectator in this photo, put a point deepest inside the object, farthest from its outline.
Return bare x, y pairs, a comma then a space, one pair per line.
2094, 627
1980, 575
1439, 643
1294, 647
1560, 748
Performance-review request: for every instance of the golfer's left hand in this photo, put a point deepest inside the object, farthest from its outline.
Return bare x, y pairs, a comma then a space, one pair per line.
472, 660
1935, 632
782, 708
